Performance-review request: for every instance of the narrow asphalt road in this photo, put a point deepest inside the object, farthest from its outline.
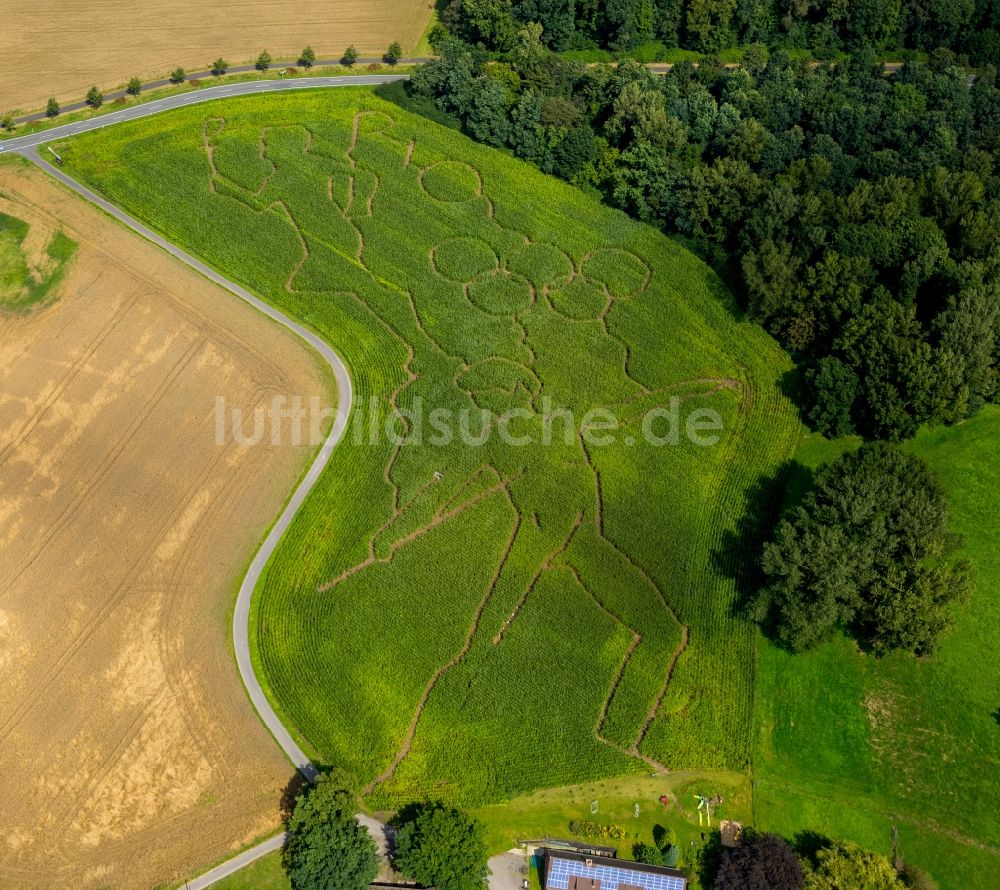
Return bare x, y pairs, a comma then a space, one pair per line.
28, 147
231, 866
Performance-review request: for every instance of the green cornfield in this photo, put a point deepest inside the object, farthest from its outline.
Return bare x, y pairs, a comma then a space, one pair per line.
474, 621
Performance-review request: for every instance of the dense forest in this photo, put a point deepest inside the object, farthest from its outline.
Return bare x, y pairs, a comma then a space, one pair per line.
825, 27
855, 213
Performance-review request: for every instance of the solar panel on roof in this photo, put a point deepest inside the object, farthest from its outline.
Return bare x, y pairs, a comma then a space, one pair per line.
610, 876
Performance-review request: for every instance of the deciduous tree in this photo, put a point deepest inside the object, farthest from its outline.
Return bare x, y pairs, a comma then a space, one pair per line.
442, 847
759, 862
394, 53
867, 550
848, 867
327, 848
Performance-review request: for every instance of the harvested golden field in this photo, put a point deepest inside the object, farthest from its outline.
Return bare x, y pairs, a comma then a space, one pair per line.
131, 755
105, 42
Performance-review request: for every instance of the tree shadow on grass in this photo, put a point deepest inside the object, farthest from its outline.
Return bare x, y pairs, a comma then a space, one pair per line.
289, 797
737, 553
710, 859
807, 845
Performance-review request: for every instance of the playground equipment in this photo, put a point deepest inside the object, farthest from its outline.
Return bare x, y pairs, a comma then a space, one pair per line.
705, 805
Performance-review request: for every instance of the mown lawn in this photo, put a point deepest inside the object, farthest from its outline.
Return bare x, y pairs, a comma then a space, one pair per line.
849, 745
549, 813
536, 599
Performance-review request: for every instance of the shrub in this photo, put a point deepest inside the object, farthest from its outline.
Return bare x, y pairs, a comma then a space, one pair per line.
7, 122
134, 86
599, 830
177, 75
95, 98
437, 35
834, 387
219, 66
917, 879
647, 854
666, 842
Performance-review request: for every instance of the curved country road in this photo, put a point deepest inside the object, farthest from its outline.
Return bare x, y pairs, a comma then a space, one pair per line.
28, 147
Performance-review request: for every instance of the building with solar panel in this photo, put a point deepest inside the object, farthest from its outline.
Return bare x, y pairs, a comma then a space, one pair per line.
566, 870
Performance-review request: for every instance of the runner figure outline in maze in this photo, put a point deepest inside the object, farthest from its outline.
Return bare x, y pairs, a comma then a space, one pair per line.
509, 286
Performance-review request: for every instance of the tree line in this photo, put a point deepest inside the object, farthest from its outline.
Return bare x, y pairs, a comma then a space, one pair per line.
825, 27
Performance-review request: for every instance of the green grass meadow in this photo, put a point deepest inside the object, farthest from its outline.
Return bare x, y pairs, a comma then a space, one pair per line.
557, 610
850, 745
22, 285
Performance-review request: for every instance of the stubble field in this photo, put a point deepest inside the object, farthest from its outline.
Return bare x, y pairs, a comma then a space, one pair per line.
87, 41
130, 753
